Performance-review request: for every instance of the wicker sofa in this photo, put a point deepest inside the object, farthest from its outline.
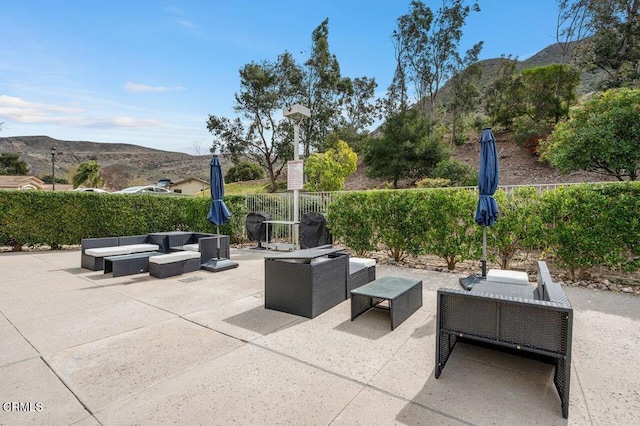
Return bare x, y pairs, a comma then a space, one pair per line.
522, 318
166, 242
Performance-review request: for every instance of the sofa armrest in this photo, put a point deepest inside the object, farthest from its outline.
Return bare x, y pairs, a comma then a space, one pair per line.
548, 289
89, 262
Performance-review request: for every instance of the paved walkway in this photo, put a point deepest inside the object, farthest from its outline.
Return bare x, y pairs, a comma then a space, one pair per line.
79, 347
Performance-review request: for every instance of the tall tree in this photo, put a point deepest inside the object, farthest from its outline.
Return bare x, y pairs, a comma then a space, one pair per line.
430, 45
265, 89
11, 164
360, 108
463, 95
88, 174
503, 97
612, 44
324, 89
549, 91
572, 25
408, 148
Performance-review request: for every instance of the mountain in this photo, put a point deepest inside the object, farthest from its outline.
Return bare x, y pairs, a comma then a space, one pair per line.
551, 54
140, 165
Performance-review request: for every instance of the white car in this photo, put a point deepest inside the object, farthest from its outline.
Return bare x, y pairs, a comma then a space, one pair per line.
148, 189
90, 190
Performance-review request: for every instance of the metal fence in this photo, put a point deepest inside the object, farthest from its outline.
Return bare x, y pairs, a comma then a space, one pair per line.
280, 205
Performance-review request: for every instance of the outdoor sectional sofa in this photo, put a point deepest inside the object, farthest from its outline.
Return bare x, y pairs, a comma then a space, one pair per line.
523, 319
94, 250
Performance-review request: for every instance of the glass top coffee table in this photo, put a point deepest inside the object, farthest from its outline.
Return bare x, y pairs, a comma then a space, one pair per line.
404, 296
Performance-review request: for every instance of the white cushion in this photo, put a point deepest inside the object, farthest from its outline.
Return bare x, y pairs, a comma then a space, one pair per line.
362, 261
107, 251
177, 256
140, 248
507, 277
191, 247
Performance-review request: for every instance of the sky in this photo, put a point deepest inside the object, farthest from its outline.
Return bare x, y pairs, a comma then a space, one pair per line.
150, 73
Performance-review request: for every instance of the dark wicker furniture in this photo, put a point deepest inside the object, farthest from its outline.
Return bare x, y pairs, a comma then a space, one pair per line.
166, 242
306, 282
172, 264
404, 296
359, 275
521, 318
128, 264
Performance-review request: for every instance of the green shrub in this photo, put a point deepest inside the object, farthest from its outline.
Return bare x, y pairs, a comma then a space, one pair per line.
35, 218
459, 174
592, 225
519, 227
244, 171
451, 231
350, 219
399, 221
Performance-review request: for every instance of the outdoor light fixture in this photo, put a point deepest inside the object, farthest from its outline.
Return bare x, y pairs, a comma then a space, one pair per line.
297, 113
53, 167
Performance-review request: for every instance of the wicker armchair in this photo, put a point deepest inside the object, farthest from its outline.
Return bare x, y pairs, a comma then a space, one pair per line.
523, 318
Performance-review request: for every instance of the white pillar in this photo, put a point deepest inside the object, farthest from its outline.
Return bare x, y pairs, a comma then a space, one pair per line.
297, 113
296, 192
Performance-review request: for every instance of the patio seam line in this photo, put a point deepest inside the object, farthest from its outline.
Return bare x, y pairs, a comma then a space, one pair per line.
360, 383
21, 335
69, 389
574, 367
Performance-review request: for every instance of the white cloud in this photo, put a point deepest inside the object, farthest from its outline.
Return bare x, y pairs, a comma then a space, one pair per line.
21, 111
126, 122
185, 23
139, 88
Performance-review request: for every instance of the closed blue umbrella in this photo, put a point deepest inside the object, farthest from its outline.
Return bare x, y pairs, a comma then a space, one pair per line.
487, 210
219, 214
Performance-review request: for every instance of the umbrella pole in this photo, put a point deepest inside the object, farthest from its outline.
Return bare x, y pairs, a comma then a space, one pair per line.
218, 240
484, 251
219, 263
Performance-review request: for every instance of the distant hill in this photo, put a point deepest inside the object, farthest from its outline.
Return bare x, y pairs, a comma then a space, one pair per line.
145, 165
141, 165
552, 54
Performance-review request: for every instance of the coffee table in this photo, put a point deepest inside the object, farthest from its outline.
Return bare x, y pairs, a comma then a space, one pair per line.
404, 296
128, 264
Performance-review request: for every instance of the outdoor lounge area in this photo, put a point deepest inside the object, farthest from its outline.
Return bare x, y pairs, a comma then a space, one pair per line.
83, 347
162, 254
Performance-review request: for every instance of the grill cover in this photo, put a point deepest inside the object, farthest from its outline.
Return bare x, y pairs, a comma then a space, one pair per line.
313, 230
256, 228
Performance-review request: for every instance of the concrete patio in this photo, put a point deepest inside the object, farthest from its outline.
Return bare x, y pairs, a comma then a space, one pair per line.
80, 347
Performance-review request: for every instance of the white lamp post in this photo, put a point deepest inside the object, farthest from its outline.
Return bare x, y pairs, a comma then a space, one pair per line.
297, 113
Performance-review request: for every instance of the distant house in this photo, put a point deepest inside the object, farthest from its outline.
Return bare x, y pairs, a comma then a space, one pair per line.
189, 186
20, 182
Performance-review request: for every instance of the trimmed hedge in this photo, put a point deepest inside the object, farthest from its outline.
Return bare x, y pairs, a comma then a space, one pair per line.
403, 223
579, 226
34, 218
